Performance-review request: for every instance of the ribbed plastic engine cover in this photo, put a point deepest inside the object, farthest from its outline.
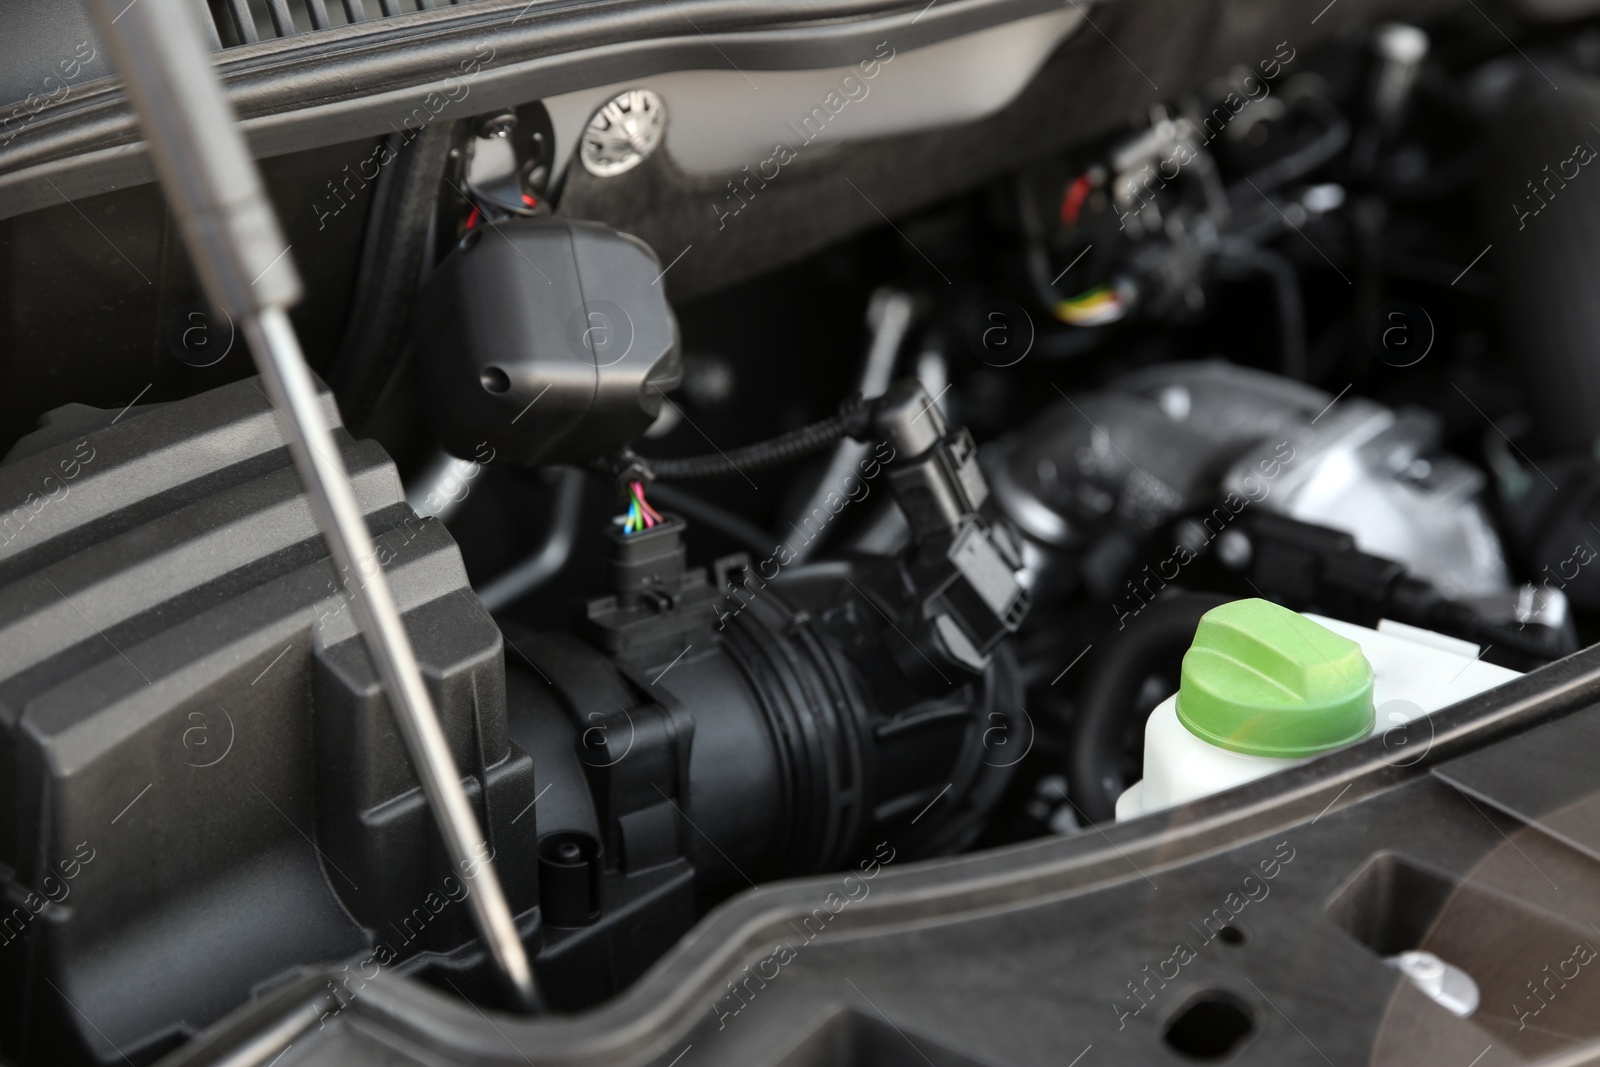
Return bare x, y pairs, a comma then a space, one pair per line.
202, 786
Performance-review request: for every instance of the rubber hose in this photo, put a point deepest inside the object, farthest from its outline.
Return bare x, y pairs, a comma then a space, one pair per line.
1153, 640
1304, 160
378, 328
1291, 310
548, 559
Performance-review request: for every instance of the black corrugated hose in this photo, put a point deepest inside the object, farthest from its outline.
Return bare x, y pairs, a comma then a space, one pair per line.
1108, 716
377, 331
852, 420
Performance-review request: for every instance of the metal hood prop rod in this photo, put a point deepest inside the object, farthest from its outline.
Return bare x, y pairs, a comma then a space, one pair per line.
243, 261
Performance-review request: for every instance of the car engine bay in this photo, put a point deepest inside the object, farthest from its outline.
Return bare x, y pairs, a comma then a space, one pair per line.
813, 461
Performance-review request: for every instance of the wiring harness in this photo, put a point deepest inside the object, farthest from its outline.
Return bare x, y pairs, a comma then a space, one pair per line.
1101, 305
629, 469
640, 515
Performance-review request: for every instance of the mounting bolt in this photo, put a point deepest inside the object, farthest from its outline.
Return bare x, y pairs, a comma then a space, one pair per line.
499, 124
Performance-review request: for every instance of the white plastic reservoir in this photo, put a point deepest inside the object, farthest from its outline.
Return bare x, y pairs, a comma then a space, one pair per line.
1265, 679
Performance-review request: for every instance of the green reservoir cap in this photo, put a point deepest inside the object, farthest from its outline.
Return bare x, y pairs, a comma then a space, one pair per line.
1266, 681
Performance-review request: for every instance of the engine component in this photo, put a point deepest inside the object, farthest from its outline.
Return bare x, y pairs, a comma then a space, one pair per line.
1137, 666
1309, 567
1099, 473
961, 581
852, 420
439, 489
766, 713
179, 655
1397, 862
962, 586
552, 554
1444, 983
1401, 50
699, 729
1553, 524
195, 738
974, 599
788, 720
509, 160
229, 228
552, 312
1265, 688
1153, 224
889, 317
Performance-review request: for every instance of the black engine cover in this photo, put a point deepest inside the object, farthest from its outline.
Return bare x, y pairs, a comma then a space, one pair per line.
204, 788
